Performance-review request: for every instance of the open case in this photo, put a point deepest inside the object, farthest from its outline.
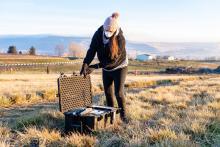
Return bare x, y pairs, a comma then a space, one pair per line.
75, 101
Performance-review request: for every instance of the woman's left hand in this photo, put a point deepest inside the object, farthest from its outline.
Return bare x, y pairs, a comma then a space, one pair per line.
91, 68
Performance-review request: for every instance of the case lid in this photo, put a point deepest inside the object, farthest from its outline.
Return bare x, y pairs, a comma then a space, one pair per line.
74, 92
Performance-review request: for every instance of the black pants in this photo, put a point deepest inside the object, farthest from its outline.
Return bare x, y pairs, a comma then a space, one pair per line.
118, 77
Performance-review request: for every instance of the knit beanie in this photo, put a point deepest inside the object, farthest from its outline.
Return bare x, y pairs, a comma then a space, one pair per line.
112, 23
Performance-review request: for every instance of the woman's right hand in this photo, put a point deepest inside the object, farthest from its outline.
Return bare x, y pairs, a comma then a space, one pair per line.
84, 69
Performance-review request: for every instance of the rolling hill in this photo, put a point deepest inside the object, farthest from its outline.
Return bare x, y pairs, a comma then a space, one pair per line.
46, 44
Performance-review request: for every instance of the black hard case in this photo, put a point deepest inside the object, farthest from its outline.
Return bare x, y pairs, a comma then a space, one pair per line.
74, 92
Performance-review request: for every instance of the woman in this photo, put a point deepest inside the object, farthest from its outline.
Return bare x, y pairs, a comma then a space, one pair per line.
109, 44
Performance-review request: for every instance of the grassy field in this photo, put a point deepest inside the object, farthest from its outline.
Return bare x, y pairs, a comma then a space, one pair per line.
164, 110
24, 85
162, 65
152, 66
9, 59
29, 59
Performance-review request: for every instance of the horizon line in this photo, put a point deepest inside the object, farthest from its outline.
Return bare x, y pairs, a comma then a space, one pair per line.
87, 36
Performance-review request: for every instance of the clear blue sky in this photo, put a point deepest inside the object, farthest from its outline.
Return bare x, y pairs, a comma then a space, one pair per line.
141, 20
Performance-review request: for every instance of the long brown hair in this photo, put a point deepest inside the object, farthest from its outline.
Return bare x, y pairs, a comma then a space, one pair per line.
114, 48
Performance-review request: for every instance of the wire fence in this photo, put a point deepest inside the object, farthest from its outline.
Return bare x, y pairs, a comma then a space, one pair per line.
20, 66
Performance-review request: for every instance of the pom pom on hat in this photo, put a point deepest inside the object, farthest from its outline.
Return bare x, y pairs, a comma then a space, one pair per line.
115, 15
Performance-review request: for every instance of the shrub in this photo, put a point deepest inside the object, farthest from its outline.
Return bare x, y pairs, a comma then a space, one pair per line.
12, 50
160, 135
32, 51
5, 102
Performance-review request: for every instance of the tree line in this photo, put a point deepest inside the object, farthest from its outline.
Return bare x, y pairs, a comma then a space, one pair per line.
13, 50
72, 50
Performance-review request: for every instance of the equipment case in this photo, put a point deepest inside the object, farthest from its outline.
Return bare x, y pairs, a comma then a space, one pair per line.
75, 101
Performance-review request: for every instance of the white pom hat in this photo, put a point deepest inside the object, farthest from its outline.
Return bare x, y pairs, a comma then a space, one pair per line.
112, 23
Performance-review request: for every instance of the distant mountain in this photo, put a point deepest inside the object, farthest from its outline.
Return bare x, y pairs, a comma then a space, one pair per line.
193, 50
45, 44
135, 48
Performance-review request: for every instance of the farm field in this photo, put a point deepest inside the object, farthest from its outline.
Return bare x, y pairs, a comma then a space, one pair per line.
11, 59
163, 110
153, 66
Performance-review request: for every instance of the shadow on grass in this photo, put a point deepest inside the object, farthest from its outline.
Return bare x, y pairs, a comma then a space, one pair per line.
46, 119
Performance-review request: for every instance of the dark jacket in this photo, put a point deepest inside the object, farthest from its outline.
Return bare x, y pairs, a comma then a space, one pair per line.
103, 51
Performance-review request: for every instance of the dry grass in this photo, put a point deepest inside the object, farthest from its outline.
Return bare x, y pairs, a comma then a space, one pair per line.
4, 136
48, 119
26, 89
53, 138
185, 110
4, 144
8, 59
9, 100
162, 65
176, 111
